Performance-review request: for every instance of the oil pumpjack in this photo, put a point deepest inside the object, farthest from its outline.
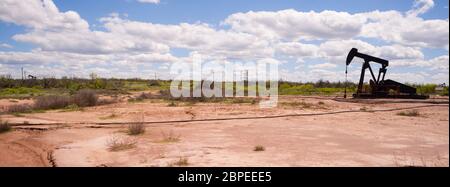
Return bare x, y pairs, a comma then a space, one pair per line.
378, 87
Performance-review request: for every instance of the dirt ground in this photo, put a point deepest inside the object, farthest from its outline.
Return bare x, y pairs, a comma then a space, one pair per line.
366, 136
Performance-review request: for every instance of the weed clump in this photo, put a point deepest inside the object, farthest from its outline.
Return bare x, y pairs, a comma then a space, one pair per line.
183, 161
259, 148
170, 137
19, 108
136, 128
410, 113
116, 143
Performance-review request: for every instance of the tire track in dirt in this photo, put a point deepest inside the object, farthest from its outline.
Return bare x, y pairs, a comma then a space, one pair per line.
31, 153
21, 148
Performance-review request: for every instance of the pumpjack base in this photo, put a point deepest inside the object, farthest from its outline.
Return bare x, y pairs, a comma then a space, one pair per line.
373, 96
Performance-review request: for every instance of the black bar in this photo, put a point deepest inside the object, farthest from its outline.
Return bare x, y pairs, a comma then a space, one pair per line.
168, 176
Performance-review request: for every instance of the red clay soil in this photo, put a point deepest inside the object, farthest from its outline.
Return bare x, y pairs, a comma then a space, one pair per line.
361, 138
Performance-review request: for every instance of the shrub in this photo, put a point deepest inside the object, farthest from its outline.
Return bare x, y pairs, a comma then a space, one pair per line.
136, 128
154, 83
172, 104
141, 97
426, 89
259, 148
364, 109
19, 108
4, 126
111, 116
116, 143
85, 98
170, 137
180, 162
412, 113
51, 102
106, 101
72, 107
445, 91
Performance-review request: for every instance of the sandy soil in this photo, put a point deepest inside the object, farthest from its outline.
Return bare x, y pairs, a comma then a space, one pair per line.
346, 139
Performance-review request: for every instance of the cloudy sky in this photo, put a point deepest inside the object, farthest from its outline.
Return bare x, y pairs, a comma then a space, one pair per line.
309, 39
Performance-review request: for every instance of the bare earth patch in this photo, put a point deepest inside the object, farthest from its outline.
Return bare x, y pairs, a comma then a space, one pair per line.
362, 138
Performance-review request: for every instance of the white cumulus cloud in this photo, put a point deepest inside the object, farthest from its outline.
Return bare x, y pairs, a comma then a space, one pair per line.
149, 1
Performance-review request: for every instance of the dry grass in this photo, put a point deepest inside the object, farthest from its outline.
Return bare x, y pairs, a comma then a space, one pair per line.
410, 113
143, 96
169, 137
111, 116
241, 100
18, 115
183, 161
72, 108
172, 104
403, 160
19, 108
136, 129
4, 126
364, 109
259, 148
116, 143
304, 105
301, 104
107, 101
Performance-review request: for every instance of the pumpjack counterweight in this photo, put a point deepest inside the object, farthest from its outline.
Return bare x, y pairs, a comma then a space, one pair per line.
378, 87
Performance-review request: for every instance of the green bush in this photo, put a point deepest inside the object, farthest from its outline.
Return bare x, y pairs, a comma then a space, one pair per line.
445, 91
426, 89
20, 91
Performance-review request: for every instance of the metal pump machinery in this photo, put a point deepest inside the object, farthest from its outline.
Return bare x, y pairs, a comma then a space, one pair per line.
378, 87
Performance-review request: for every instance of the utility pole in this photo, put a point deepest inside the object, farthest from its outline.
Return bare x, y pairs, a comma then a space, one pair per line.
223, 76
22, 72
246, 75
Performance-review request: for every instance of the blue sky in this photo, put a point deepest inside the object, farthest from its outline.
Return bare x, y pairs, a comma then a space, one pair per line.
175, 11
417, 55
